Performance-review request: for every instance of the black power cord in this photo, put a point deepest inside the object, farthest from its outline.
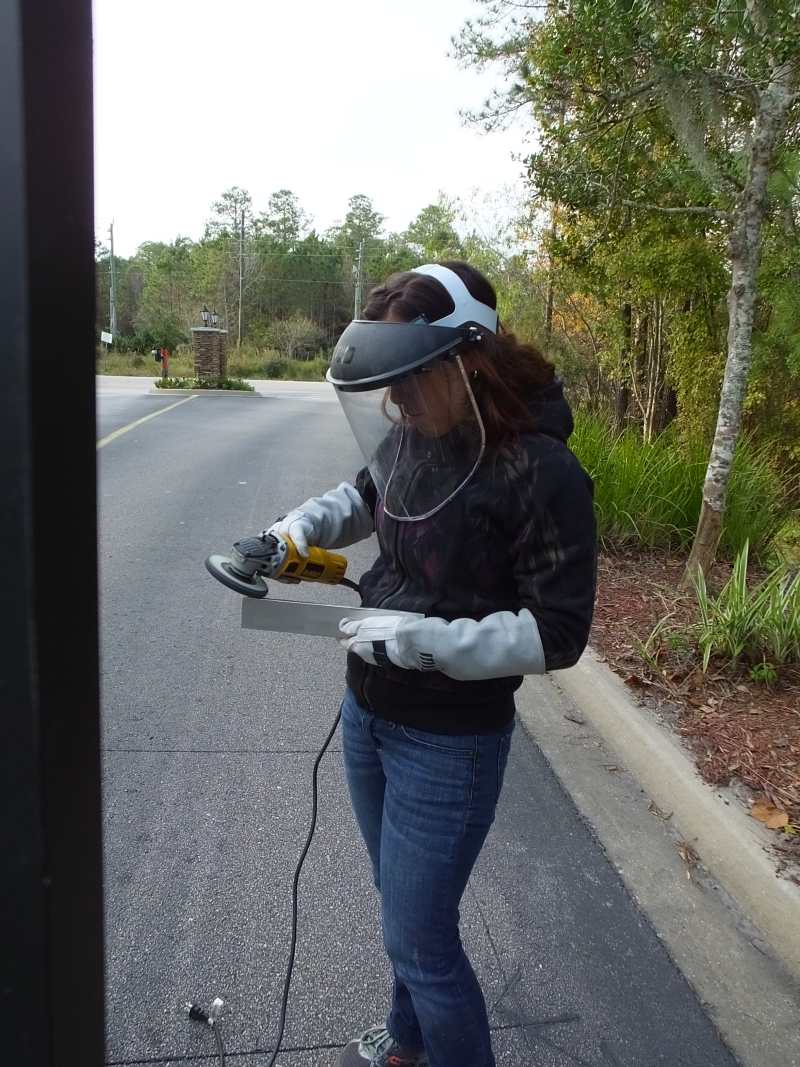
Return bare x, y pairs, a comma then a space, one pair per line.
210, 1017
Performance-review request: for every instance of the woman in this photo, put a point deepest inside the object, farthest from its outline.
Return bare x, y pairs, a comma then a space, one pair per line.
486, 532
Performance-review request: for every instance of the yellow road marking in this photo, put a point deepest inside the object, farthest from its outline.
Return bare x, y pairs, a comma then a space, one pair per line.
131, 425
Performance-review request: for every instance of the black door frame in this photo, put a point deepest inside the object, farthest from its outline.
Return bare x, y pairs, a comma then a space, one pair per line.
51, 947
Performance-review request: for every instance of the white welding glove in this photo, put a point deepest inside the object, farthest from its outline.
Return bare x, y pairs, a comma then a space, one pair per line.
501, 645
299, 527
378, 634
337, 519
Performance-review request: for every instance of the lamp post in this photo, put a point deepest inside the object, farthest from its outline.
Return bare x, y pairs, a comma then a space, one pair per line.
205, 315
214, 319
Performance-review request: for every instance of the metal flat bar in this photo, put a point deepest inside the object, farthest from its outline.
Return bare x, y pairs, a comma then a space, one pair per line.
298, 617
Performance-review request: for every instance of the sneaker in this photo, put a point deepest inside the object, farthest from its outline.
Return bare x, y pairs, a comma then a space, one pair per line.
377, 1048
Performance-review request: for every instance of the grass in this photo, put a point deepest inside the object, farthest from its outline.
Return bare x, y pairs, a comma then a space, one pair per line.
650, 494
246, 362
144, 366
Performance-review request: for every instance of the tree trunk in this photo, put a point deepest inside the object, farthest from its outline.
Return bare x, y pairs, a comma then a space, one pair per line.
639, 366
655, 373
622, 393
745, 252
706, 539
622, 401
548, 307
667, 408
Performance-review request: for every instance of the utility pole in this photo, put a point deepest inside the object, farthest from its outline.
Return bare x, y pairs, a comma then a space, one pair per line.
359, 279
241, 276
112, 311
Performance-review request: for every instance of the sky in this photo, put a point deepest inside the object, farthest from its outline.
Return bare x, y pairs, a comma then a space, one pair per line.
328, 98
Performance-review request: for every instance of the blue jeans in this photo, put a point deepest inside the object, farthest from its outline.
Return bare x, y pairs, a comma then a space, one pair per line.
424, 804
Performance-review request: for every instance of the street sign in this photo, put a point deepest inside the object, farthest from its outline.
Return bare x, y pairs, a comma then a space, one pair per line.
106, 337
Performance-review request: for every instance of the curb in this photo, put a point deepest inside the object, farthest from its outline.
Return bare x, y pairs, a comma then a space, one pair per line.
730, 844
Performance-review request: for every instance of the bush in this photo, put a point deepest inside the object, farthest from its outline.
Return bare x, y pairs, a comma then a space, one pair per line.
276, 368
312, 370
296, 370
760, 625
142, 341
295, 337
204, 383
651, 494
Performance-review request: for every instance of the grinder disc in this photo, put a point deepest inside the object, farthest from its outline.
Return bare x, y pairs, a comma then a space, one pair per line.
224, 571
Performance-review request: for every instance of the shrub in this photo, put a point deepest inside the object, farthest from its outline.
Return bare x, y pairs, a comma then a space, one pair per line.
651, 494
312, 370
760, 625
276, 368
295, 337
205, 383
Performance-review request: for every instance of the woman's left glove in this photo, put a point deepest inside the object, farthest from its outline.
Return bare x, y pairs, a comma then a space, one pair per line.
500, 645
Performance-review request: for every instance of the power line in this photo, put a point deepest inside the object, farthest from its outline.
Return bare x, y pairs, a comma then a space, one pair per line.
299, 253
233, 242
279, 279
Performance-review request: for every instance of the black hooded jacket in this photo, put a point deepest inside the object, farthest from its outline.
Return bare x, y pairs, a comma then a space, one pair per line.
520, 534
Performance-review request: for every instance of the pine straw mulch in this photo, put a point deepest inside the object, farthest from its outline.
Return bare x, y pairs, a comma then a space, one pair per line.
742, 732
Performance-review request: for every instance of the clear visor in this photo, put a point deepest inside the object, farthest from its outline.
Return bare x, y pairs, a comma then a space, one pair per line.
422, 437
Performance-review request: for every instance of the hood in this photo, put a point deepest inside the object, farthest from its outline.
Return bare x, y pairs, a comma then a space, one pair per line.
551, 412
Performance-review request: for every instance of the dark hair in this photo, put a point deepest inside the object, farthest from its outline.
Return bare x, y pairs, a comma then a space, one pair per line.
506, 371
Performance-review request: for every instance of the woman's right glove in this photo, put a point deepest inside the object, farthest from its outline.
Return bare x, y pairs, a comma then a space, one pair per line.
299, 527
337, 519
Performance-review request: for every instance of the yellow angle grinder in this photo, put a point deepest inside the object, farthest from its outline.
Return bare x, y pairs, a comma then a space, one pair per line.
271, 555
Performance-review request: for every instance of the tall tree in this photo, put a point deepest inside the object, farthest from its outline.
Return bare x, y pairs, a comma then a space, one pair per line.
433, 234
166, 304
233, 206
234, 224
358, 239
671, 107
361, 223
284, 220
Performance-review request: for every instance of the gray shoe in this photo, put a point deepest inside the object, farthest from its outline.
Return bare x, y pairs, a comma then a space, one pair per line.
377, 1048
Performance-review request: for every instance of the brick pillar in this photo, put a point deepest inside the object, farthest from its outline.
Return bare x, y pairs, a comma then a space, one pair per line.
210, 352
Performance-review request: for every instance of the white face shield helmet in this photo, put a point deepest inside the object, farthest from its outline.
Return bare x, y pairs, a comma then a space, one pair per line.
408, 399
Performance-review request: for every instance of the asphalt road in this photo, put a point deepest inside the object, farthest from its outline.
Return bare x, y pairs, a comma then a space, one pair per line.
209, 736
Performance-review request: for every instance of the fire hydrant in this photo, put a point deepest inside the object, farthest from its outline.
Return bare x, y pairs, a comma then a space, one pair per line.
161, 355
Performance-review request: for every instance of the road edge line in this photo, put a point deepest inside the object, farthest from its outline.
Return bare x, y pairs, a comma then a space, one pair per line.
138, 422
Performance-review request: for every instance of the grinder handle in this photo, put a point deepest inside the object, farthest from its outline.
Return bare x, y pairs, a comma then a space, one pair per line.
319, 566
